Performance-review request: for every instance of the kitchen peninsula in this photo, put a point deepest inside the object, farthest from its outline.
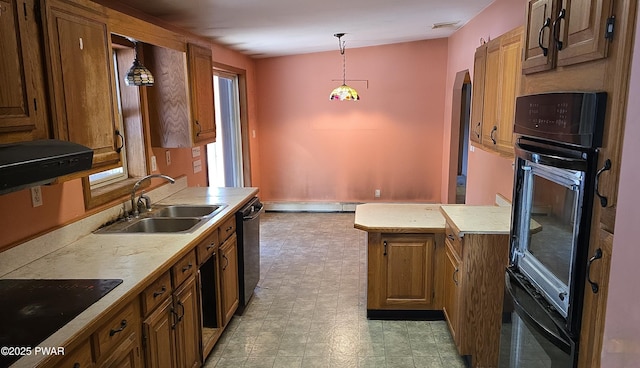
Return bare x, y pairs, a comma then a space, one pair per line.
159, 280
435, 261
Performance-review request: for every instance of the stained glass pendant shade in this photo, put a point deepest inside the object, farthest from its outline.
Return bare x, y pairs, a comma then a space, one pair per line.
343, 92
138, 74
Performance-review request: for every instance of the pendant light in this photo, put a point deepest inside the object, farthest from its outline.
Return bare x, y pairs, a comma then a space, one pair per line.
138, 74
343, 92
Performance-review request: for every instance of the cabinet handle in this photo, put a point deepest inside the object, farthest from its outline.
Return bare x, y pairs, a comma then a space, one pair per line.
606, 167
118, 149
229, 228
451, 237
556, 29
187, 267
212, 245
477, 130
123, 325
455, 281
547, 23
76, 365
226, 259
158, 293
175, 318
594, 285
385, 248
180, 317
495, 128
199, 128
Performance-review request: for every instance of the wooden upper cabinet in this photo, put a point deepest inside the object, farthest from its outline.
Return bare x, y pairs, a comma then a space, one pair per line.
477, 94
501, 85
78, 48
510, 66
491, 96
23, 106
201, 86
571, 32
539, 52
181, 112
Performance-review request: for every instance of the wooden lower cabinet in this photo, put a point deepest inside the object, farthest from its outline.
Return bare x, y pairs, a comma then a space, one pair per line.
403, 272
80, 357
452, 287
172, 331
474, 292
229, 292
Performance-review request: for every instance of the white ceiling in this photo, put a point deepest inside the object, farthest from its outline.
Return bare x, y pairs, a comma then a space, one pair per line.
265, 28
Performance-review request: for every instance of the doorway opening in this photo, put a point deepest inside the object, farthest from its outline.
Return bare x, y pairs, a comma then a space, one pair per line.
227, 166
460, 121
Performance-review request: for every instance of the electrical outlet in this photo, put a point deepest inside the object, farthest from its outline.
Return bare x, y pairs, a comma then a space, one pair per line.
195, 152
167, 155
36, 196
377, 193
154, 164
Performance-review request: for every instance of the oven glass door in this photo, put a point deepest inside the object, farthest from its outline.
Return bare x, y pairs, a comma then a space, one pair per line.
549, 222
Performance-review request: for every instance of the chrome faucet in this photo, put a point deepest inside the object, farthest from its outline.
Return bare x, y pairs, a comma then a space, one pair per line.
135, 212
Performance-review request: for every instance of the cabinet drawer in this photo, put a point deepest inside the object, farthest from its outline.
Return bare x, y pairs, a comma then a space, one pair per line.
207, 247
184, 268
153, 295
117, 329
453, 239
227, 228
80, 357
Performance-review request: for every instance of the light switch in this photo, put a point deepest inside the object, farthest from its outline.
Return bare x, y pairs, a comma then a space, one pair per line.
195, 152
197, 166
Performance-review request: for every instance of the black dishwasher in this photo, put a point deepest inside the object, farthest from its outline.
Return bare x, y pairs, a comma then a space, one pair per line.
248, 230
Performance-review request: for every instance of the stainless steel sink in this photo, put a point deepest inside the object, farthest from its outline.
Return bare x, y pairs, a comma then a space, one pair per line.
187, 211
162, 225
165, 219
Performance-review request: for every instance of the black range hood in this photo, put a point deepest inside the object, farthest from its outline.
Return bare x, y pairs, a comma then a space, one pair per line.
26, 164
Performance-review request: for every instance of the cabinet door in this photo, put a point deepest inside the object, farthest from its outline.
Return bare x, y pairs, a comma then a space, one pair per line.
201, 84
82, 83
491, 94
452, 289
126, 355
188, 326
80, 357
510, 75
159, 334
582, 30
539, 49
408, 271
479, 65
22, 101
229, 278
595, 303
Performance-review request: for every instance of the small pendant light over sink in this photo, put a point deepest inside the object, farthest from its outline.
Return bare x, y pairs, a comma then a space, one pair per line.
138, 74
343, 92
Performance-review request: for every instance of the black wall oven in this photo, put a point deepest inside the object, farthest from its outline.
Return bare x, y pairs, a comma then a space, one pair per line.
554, 185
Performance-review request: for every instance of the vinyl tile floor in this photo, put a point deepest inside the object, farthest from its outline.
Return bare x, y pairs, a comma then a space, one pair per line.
309, 309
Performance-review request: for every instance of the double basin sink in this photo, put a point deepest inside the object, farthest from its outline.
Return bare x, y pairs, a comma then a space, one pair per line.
165, 219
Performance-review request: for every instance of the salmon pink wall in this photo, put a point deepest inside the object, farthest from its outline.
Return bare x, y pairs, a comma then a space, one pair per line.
621, 346
488, 173
61, 203
314, 149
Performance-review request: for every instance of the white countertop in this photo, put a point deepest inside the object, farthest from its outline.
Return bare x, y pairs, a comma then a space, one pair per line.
399, 218
478, 219
431, 218
137, 259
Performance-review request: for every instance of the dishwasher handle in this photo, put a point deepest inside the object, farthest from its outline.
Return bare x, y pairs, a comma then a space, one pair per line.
252, 210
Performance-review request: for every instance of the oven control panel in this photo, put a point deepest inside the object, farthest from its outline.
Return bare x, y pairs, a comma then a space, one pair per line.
575, 118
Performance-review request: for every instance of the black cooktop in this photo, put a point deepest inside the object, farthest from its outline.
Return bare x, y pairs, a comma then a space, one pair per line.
32, 310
